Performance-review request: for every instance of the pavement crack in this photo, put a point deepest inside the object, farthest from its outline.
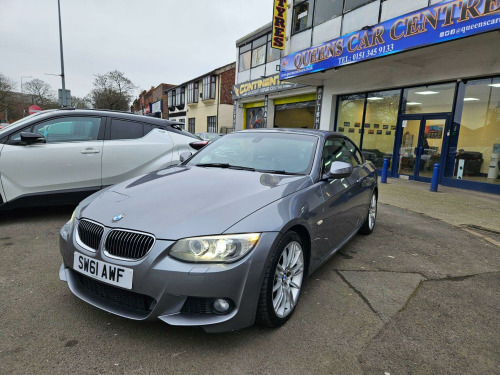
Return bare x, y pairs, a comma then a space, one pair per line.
411, 296
360, 295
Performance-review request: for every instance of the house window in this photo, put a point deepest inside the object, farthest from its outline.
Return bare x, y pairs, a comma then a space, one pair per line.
191, 125
353, 4
192, 93
212, 124
180, 97
273, 54
208, 88
245, 57
302, 15
171, 99
259, 51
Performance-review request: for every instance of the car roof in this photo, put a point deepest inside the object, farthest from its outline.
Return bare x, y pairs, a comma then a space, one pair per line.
316, 132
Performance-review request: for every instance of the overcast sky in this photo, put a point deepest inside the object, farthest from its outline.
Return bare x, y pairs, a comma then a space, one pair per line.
151, 41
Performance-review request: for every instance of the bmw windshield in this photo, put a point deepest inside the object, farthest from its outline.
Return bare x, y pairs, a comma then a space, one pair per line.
280, 153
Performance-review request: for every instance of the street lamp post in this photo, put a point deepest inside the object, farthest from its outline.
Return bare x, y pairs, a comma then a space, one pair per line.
62, 58
22, 95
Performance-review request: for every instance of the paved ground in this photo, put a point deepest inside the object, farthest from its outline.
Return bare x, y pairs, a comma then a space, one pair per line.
418, 296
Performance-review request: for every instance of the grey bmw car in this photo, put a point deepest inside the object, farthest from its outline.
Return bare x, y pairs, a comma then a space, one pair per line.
226, 237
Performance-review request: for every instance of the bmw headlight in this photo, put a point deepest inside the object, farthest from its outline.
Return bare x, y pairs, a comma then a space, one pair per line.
215, 249
66, 229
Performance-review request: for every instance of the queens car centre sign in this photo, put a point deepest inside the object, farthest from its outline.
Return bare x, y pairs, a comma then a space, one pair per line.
442, 22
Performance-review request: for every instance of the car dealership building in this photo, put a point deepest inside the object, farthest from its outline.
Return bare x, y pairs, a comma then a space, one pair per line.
416, 82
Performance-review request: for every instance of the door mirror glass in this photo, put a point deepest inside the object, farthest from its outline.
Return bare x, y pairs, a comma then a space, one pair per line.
31, 138
184, 156
339, 169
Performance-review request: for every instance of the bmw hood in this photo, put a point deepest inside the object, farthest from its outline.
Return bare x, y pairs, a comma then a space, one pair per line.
182, 201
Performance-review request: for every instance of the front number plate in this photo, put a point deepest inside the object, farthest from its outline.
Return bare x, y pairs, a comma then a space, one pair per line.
105, 272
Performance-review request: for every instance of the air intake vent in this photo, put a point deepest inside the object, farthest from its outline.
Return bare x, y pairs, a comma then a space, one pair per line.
128, 244
90, 234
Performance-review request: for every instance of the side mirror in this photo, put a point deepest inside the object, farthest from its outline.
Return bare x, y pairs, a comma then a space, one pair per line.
185, 156
339, 169
31, 138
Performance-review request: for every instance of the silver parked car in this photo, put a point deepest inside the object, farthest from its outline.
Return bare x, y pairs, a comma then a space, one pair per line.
224, 238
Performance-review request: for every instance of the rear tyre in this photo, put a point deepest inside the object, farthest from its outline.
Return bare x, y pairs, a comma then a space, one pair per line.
282, 283
369, 223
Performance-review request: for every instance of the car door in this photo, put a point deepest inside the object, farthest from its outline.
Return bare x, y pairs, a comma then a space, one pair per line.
339, 216
70, 159
132, 148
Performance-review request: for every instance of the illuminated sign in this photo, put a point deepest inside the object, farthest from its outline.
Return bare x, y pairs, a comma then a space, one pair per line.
262, 86
442, 22
279, 24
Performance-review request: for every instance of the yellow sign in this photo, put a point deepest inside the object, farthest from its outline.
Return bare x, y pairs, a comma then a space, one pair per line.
279, 24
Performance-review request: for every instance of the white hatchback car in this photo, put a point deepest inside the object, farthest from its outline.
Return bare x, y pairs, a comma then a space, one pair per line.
62, 156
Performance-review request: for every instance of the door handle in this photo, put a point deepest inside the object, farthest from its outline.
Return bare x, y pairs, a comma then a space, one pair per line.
90, 151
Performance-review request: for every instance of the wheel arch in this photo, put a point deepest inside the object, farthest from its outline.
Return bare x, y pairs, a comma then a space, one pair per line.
304, 234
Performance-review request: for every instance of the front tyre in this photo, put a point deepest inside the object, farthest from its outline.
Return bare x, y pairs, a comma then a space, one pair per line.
369, 223
282, 283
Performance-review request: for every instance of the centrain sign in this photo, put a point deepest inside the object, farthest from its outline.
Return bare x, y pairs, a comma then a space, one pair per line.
442, 22
279, 24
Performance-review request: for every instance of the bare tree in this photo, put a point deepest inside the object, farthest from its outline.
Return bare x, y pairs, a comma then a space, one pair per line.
112, 91
6, 92
41, 93
84, 102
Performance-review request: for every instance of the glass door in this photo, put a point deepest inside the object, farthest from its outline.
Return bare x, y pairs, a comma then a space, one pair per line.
421, 145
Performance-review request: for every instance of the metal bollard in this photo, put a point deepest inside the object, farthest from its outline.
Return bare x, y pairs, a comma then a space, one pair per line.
383, 178
434, 181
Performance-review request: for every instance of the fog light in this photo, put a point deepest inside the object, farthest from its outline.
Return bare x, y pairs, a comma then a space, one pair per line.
221, 305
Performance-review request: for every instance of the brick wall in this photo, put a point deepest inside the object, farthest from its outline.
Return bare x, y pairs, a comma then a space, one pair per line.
227, 82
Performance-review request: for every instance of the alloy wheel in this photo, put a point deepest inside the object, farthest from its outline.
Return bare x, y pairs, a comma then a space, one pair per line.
372, 213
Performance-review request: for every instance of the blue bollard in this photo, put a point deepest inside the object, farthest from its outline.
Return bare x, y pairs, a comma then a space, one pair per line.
434, 181
383, 178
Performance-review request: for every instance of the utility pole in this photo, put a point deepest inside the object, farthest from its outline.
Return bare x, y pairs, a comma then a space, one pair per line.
64, 102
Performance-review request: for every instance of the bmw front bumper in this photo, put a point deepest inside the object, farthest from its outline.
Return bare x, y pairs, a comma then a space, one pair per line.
173, 291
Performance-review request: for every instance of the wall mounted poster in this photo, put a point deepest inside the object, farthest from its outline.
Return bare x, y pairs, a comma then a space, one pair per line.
347, 124
367, 126
386, 127
393, 127
357, 124
371, 131
376, 126
379, 132
255, 118
341, 130
351, 130
388, 132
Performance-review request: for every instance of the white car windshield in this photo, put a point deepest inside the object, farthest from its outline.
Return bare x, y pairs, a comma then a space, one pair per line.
285, 153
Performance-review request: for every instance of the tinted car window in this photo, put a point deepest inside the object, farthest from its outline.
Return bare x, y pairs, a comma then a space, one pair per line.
340, 149
121, 129
67, 129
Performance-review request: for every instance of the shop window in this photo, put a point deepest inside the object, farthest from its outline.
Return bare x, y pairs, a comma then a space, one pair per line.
259, 51
478, 148
208, 88
350, 116
212, 124
191, 125
380, 126
245, 57
353, 4
192, 93
255, 118
295, 115
302, 15
273, 54
326, 10
429, 99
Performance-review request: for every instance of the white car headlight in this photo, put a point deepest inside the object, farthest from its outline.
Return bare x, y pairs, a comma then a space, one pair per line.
214, 249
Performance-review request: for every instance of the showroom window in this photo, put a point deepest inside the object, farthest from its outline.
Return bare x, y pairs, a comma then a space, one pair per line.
350, 116
429, 99
191, 125
353, 4
326, 10
302, 15
259, 51
208, 88
478, 149
192, 93
212, 124
245, 57
379, 128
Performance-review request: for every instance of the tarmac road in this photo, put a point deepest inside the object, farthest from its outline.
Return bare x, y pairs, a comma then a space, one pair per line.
418, 296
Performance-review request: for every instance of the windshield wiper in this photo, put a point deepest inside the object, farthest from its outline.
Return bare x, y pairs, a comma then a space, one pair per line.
225, 165
280, 172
